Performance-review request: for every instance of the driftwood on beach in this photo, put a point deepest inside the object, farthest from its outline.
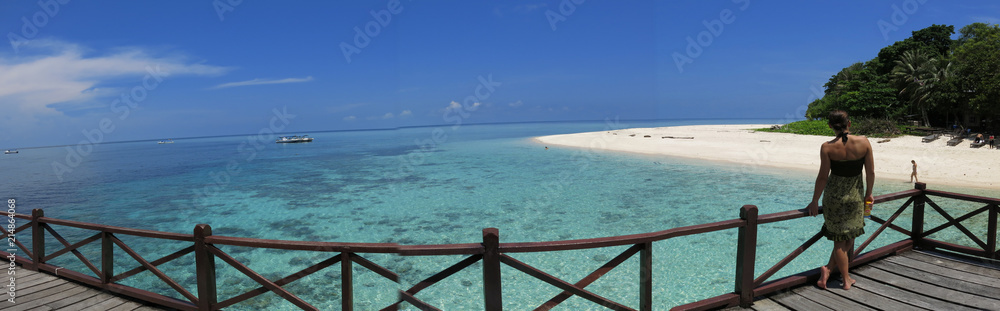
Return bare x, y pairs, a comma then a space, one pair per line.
678, 137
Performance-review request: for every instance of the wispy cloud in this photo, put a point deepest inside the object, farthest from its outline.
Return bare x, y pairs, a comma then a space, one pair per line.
262, 81
516, 104
986, 19
387, 116
50, 77
456, 105
342, 108
350, 118
531, 7
519, 9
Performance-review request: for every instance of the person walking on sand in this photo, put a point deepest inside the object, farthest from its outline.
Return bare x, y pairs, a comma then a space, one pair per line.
839, 182
913, 176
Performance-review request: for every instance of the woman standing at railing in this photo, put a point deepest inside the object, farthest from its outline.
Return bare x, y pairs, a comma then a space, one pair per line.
844, 196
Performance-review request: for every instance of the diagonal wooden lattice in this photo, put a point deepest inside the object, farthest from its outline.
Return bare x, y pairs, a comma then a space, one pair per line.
409, 294
12, 237
144, 264
276, 286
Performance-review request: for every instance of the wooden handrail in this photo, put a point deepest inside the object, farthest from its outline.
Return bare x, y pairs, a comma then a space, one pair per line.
303, 245
491, 252
531, 247
120, 230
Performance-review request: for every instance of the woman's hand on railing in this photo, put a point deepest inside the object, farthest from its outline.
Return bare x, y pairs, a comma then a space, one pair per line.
813, 209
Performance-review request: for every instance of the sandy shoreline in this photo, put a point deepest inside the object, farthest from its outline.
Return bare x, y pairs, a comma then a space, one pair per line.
938, 164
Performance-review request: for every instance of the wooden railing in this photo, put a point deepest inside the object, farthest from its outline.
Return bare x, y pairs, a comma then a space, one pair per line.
492, 253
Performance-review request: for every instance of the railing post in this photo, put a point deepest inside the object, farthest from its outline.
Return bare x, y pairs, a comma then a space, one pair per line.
107, 258
205, 263
991, 233
346, 282
37, 238
746, 255
646, 277
491, 270
917, 228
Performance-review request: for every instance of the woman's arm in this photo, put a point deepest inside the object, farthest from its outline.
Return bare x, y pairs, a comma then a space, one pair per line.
824, 173
870, 171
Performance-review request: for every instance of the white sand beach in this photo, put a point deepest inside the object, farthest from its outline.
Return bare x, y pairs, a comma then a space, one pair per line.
938, 163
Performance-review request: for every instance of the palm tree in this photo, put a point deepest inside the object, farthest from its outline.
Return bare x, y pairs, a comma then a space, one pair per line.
917, 74
846, 75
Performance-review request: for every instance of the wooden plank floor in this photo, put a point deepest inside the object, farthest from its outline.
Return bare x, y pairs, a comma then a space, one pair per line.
915, 280
42, 291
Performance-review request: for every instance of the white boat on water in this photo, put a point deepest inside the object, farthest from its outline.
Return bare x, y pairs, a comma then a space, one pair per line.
168, 141
10, 151
293, 139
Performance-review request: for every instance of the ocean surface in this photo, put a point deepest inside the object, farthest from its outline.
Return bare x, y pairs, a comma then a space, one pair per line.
428, 185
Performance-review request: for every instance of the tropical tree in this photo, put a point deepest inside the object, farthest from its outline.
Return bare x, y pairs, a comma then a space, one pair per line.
978, 51
916, 74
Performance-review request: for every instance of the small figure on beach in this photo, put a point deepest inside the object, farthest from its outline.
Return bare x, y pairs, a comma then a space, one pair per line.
913, 176
844, 193
991, 141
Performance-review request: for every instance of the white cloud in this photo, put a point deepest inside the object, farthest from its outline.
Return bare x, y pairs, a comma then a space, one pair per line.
388, 115
405, 113
262, 81
456, 105
518, 103
350, 118
49, 77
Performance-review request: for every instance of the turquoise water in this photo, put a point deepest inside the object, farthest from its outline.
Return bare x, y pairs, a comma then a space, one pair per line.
429, 185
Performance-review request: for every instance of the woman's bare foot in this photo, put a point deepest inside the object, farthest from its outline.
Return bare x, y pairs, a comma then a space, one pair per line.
824, 274
848, 283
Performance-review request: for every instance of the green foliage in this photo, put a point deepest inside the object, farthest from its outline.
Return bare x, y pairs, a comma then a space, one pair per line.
867, 127
807, 127
927, 75
875, 128
934, 41
978, 48
859, 90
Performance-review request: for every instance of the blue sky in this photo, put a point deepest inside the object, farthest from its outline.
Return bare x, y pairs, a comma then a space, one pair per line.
162, 69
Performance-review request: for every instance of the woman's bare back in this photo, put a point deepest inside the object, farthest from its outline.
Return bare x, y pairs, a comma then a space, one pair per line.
855, 148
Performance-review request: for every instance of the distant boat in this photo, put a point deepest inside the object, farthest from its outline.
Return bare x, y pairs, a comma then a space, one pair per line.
168, 141
293, 139
10, 151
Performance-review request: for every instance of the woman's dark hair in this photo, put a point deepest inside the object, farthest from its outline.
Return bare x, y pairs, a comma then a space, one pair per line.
838, 121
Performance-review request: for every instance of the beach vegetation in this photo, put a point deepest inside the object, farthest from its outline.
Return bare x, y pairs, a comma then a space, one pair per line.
859, 126
804, 127
928, 79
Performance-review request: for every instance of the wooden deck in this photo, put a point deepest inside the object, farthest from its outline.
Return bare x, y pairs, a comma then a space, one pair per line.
915, 280
42, 291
